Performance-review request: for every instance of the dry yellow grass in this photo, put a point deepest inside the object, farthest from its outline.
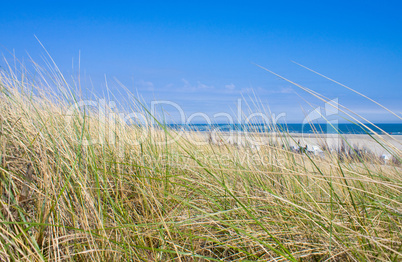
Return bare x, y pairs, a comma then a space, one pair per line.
119, 201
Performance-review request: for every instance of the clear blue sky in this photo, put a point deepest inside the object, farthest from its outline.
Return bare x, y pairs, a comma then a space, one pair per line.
200, 54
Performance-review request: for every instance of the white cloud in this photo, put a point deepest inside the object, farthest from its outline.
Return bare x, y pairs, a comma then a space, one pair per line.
203, 86
247, 90
286, 90
169, 86
145, 85
186, 83
282, 90
230, 86
199, 86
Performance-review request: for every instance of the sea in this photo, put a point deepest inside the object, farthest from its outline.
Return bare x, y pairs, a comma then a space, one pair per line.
345, 128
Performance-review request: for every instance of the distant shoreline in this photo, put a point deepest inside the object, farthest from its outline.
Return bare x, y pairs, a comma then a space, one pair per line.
386, 129
332, 141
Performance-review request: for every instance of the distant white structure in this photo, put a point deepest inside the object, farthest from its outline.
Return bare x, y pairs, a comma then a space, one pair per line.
385, 158
313, 149
295, 148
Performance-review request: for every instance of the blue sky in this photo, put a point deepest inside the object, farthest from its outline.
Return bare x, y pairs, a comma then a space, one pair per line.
201, 54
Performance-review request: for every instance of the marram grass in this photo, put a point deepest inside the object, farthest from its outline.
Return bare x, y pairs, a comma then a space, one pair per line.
62, 199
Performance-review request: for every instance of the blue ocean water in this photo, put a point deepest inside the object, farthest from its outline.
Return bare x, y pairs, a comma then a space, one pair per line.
392, 129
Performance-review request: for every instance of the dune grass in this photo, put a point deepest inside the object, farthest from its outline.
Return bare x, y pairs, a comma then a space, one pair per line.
116, 200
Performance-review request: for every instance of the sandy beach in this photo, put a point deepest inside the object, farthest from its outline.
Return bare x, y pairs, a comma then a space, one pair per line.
316, 141
356, 141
